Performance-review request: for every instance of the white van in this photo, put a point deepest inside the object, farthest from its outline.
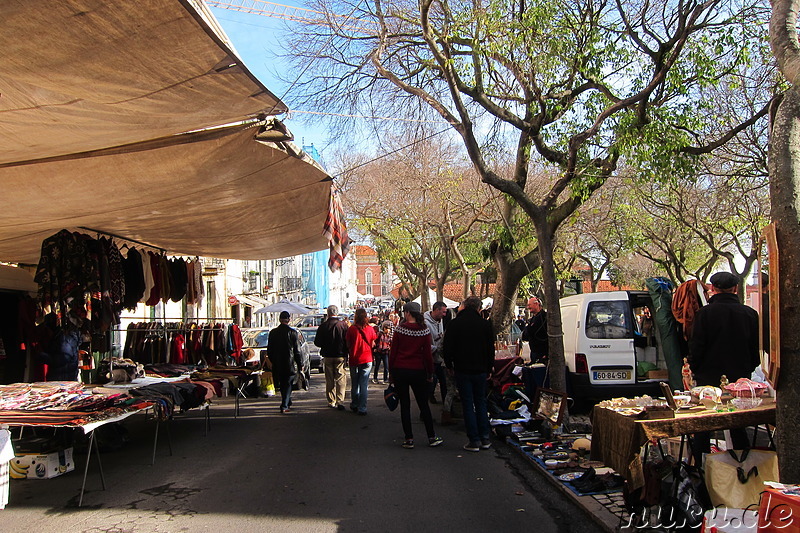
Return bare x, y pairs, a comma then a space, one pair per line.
605, 339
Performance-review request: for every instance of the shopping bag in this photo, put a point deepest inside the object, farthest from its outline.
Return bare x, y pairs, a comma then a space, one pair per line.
267, 386
390, 397
736, 478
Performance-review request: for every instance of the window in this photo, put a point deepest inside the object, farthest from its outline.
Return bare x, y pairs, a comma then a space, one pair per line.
609, 320
368, 281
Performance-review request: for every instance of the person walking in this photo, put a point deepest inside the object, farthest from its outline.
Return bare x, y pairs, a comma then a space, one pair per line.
469, 354
411, 369
332, 344
360, 342
382, 346
283, 350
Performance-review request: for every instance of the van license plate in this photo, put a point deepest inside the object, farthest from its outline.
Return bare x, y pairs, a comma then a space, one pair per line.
604, 375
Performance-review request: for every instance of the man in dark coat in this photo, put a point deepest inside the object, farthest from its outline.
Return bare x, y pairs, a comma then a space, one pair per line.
535, 332
330, 338
724, 341
286, 357
724, 335
469, 353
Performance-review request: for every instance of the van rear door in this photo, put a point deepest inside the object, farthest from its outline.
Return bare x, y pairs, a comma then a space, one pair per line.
607, 341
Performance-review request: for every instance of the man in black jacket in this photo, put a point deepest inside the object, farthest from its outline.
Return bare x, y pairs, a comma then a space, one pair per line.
333, 348
724, 342
283, 350
469, 353
535, 332
724, 336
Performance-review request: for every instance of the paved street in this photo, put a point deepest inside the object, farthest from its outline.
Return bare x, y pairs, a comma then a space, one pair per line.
316, 469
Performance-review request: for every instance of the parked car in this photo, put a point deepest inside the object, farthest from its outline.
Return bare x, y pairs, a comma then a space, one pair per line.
257, 339
315, 360
309, 321
604, 344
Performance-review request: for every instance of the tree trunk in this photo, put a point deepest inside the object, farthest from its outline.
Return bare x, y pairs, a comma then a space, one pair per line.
557, 363
784, 171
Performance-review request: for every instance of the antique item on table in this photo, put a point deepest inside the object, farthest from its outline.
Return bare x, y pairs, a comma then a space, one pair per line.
723, 382
550, 405
668, 395
746, 388
682, 400
686, 375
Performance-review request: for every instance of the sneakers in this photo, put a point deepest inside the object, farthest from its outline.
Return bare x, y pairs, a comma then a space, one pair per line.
374, 381
472, 446
435, 441
408, 444
486, 444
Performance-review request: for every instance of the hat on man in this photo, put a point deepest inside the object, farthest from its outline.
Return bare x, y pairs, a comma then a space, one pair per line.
284, 315
724, 280
412, 307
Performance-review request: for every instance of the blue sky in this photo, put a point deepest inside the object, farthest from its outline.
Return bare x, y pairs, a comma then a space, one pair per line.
257, 39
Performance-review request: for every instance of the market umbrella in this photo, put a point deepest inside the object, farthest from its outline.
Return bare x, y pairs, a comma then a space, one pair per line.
284, 305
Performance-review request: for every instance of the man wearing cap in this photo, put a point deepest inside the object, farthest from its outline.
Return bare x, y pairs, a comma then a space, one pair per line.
724, 341
724, 336
283, 350
330, 338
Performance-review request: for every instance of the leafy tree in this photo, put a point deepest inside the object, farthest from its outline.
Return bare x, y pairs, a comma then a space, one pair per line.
567, 88
418, 210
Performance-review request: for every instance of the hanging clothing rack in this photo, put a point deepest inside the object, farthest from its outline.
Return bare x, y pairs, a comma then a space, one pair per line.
120, 237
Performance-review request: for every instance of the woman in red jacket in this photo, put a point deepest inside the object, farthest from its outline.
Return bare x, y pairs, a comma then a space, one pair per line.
411, 367
360, 339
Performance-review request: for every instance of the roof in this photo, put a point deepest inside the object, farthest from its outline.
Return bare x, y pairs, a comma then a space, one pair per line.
101, 127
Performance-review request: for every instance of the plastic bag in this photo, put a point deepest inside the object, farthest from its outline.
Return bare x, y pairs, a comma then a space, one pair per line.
736, 478
267, 386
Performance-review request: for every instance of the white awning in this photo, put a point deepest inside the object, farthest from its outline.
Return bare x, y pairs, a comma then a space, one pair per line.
94, 115
251, 300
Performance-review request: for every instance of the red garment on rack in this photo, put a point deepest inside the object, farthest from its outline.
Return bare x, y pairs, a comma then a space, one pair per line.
237, 342
178, 351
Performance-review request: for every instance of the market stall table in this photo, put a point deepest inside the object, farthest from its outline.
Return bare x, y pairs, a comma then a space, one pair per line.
617, 438
86, 421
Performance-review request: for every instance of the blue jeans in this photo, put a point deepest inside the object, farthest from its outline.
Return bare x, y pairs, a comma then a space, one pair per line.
285, 386
381, 357
472, 388
359, 379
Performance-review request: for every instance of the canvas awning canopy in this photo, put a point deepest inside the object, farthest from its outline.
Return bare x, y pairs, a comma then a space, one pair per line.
104, 124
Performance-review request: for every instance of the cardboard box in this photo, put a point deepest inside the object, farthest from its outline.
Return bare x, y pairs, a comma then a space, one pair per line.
658, 374
41, 466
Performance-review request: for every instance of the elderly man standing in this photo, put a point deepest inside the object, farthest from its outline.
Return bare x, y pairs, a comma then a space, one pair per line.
469, 353
535, 332
330, 338
724, 341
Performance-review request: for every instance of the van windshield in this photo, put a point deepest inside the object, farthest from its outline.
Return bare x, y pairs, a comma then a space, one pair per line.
609, 320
